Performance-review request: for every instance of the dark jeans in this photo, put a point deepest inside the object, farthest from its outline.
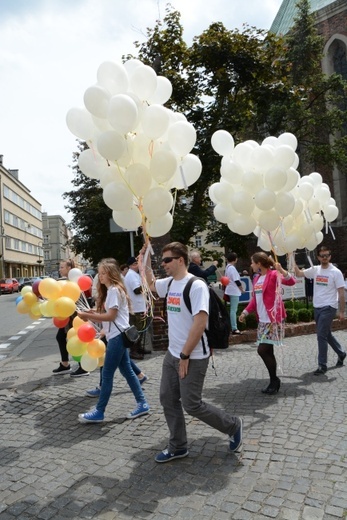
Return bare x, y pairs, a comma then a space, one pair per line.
61, 339
177, 394
324, 317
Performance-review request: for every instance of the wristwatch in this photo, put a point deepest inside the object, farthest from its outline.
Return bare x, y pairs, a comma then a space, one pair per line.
184, 356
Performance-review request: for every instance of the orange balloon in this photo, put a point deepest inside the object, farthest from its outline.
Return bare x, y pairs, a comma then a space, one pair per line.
64, 307
86, 332
71, 290
77, 322
22, 307
49, 288
84, 282
60, 323
96, 348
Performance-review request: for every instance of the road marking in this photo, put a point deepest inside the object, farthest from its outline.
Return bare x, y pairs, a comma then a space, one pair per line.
22, 332
13, 338
4, 345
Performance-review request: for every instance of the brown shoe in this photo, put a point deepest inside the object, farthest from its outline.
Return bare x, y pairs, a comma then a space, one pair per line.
136, 355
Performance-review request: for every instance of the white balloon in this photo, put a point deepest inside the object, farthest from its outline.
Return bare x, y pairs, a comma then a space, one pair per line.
317, 178
223, 192
305, 190
285, 203
275, 178
162, 92
293, 178
243, 224
155, 121
222, 142
331, 213
269, 220
80, 123
252, 181
132, 64
262, 158
187, 172
231, 171
96, 99
242, 202
323, 194
117, 196
224, 213
181, 137
242, 155
122, 113
265, 199
74, 274
298, 208
111, 173
317, 222
143, 81
111, 145
160, 226
113, 77
157, 202
91, 163
139, 179
163, 165
128, 220
284, 156
313, 205
319, 237
288, 139
270, 140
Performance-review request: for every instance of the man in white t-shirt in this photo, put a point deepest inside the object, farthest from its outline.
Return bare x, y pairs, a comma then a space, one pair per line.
137, 316
328, 298
187, 358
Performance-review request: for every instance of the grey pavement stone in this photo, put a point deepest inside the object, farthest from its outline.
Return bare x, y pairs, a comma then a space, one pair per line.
292, 468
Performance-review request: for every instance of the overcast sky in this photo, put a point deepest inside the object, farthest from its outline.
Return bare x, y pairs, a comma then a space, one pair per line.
49, 54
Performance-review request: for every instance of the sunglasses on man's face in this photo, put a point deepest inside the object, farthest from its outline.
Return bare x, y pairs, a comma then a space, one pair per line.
324, 256
169, 259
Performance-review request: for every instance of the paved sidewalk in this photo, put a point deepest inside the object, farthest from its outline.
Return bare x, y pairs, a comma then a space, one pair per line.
295, 443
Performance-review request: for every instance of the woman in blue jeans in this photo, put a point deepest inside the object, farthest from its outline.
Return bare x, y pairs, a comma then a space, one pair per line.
113, 299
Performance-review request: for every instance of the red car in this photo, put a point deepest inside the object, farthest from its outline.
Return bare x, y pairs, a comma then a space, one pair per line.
9, 285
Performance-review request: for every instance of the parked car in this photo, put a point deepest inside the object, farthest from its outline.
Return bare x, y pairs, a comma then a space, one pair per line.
24, 282
9, 285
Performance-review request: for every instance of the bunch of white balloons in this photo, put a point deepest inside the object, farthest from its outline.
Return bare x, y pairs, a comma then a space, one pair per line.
139, 150
261, 191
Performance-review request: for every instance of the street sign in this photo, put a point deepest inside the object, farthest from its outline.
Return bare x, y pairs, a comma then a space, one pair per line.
247, 287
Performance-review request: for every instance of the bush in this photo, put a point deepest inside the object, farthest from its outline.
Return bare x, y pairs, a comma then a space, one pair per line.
305, 315
292, 316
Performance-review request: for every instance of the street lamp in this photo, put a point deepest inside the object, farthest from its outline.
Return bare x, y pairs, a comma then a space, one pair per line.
39, 261
2, 236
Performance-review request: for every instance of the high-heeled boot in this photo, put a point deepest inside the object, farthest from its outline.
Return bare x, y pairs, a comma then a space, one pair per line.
273, 387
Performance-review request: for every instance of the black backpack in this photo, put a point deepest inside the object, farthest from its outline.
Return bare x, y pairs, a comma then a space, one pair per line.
218, 320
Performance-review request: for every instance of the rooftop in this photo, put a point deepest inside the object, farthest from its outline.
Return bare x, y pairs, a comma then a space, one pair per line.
287, 12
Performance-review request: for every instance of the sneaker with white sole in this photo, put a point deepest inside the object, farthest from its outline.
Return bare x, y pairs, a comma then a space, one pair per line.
235, 441
166, 456
93, 392
61, 370
94, 416
141, 409
79, 372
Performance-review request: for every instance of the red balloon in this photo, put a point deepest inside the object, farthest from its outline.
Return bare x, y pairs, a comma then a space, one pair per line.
60, 322
224, 281
35, 288
86, 332
84, 282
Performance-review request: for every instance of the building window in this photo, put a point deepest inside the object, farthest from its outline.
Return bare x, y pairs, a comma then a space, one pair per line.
198, 241
16, 244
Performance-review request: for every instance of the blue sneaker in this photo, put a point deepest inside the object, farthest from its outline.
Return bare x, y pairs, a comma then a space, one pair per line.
93, 392
94, 416
235, 441
166, 456
143, 380
141, 409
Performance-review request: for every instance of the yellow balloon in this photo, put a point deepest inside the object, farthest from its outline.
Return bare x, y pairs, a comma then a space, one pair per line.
26, 289
61, 283
64, 307
77, 322
50, 308
33, 316
71, 290
101, 361
45, 309
49, 288
22, 307
71, 332
76, 347
29, 298
35, 309
96, 348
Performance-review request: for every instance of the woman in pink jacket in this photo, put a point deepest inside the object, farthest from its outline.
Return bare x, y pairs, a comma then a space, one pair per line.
268, 305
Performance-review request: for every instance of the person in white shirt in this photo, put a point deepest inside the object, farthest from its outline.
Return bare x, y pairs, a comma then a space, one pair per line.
234, 290
133, 284
186, 361
328, 299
